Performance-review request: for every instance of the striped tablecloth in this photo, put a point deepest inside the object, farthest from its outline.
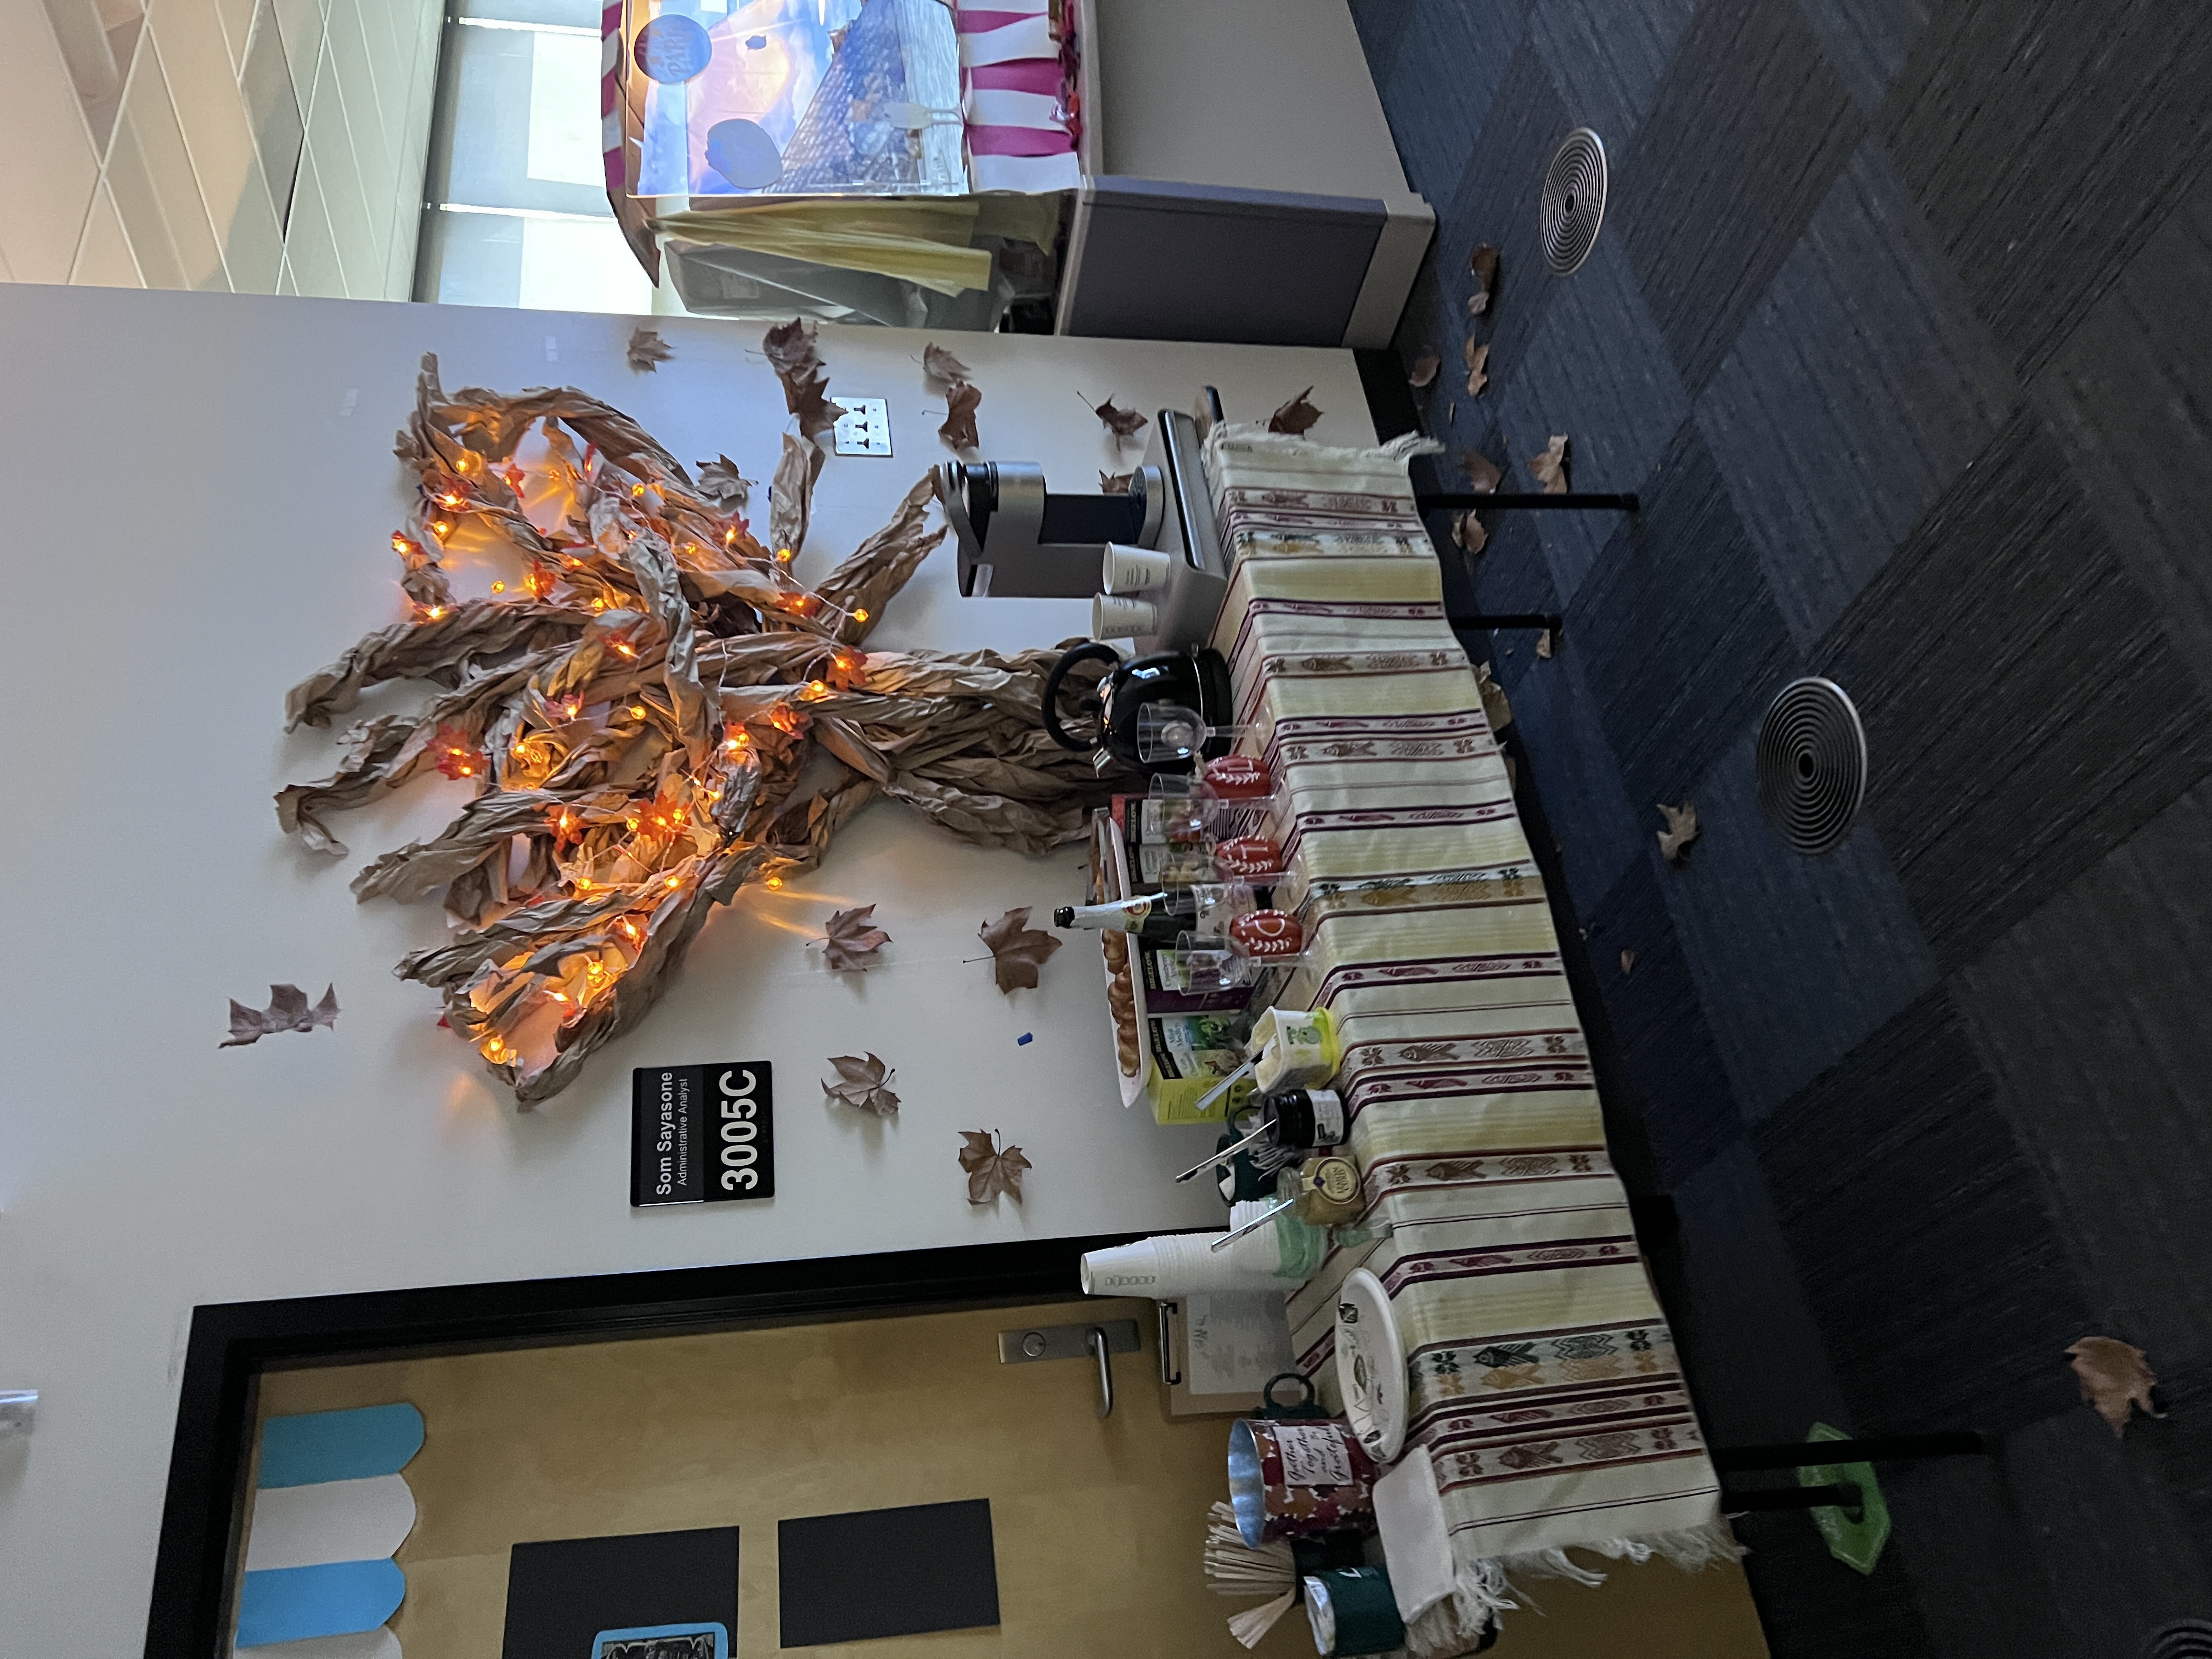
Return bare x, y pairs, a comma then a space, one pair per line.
1546, 1388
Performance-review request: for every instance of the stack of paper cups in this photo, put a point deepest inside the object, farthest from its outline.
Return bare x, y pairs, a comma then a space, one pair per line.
1172, 1265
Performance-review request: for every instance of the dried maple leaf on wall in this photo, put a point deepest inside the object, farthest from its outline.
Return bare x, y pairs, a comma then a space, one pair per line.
851, 940
789, 348
1424, 370
1121, 422
1482, 263
960, 405
1017, 950
864, 1084
1296, 416
288, 1011
720, 482
1467, 531
648, 351
942, 367
1544, 645
991, 1170
1681, 829
2114, 1378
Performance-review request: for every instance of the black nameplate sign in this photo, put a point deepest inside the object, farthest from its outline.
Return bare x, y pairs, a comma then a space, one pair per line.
702, 1134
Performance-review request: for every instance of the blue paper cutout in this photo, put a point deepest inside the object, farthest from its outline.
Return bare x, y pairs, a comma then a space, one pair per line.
349, 1445
290, 1604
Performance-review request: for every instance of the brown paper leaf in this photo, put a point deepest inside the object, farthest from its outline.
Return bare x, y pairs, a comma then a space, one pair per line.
720, 482
1544, 645
1478, 368
288, 1011
960, 403
851, 940
2114, 1377
648, 351
1017, 950
1424, 370
1116, 483
864, 1084
1121, 422
1296, 416
941, 366
1482, 265
1627, 963
1681, 829
790, 349
791, 493
1482, 473
991, 1170
1549, 468
1467, 531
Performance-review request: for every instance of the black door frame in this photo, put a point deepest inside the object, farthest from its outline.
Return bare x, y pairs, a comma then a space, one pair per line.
232, 1343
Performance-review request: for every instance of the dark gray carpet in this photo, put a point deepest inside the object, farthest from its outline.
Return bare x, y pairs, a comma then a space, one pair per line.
1901, 325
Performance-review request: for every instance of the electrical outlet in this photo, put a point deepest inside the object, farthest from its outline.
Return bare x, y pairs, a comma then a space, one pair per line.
865, 428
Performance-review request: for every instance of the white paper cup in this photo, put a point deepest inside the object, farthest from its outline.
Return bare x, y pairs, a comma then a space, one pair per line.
1113, 617
1132, 569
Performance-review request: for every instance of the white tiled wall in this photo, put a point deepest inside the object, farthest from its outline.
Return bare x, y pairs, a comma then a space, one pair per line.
192, 186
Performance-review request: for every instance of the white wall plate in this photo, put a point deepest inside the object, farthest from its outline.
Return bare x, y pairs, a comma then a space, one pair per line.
865, 428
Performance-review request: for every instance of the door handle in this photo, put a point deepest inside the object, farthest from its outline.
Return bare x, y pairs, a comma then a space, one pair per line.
1024, 1344
1098, 1341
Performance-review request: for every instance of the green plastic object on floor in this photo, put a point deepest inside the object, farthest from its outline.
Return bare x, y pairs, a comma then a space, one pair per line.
1856, 1543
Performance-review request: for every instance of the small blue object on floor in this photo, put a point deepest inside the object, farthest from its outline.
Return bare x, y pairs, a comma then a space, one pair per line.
1026, 1036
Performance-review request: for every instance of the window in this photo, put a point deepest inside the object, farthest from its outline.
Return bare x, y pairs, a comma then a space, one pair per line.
517, 210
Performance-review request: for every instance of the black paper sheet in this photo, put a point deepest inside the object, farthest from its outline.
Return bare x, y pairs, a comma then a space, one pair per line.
562, 1592
886, 1573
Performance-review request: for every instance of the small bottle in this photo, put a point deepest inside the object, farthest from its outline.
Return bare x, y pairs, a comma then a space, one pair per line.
1149, 918
1304, 1120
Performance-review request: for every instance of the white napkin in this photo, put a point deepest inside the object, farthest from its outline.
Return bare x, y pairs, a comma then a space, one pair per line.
1410, 1515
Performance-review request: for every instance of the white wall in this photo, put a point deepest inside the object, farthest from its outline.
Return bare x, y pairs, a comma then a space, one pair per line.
198, 524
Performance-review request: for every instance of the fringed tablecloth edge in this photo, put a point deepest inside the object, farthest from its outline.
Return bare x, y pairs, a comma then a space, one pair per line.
1403, 448
1482, 1590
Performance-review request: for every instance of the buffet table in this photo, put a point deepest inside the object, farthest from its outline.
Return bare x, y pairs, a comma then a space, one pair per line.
1545, 1383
